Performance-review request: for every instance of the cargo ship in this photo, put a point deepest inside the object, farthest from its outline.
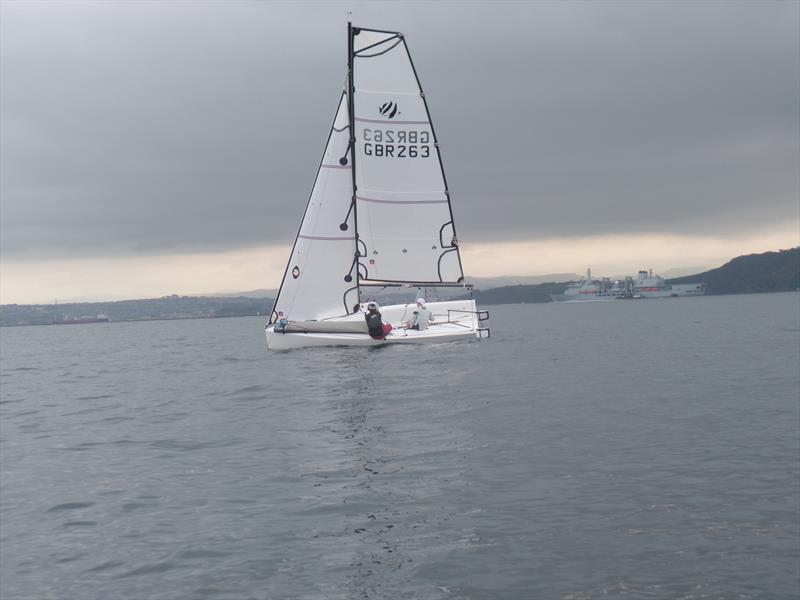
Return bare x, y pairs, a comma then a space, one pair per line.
646, 285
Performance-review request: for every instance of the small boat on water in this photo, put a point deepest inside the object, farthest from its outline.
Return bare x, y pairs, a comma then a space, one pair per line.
81, 320
379, 218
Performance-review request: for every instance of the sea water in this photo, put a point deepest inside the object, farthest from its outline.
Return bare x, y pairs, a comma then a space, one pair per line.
636, 449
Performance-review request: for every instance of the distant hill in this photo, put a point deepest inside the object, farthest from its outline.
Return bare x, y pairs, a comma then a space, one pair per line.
168, 307
259, 293
518, 294
485, 283
752, 273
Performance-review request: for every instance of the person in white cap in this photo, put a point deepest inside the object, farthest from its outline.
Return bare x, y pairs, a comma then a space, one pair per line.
422, 316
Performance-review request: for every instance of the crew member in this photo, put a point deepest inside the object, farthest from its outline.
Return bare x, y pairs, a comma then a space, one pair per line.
422, 316
374, 322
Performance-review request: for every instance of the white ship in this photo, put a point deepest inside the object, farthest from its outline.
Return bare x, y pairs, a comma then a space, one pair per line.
646, 285
590, 290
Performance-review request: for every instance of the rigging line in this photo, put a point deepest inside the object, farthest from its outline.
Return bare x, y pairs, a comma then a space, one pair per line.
400, 33
378, 43
359, 55
405, 312
343, 225
343, 159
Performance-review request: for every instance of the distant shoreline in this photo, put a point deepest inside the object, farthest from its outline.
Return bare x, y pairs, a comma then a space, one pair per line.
752, 274
487, 303
113, 322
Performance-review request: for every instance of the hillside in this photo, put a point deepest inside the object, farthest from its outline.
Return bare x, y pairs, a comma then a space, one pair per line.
517, 294
169, 307
752, 273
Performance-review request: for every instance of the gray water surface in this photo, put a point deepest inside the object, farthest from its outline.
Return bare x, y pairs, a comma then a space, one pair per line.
636, 449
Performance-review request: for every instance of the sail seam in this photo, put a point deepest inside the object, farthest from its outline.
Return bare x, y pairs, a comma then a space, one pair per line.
392, 122
365, 199
336, 166
324, 237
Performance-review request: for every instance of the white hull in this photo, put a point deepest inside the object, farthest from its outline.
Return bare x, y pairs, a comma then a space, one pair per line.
582, 298
455, 320
672, 291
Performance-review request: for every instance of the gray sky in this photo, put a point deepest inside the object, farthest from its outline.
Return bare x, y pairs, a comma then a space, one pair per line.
144, 128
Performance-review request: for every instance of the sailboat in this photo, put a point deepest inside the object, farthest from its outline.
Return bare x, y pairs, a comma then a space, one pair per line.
379, 218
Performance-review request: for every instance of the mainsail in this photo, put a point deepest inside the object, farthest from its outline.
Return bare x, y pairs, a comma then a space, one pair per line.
379, 212
404, 220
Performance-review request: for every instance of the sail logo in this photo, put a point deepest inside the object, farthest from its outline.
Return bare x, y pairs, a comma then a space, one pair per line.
388, 110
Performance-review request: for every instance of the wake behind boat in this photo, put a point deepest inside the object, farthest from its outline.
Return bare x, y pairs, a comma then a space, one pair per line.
379, 216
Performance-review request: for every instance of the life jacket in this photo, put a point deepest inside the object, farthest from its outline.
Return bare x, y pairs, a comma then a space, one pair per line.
374, 325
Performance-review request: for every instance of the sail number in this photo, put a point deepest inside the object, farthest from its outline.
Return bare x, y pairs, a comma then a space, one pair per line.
397, 144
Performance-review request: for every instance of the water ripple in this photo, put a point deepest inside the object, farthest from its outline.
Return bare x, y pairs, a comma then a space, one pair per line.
565, 458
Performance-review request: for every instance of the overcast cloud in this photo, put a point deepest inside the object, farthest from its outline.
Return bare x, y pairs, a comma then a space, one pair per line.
149, 128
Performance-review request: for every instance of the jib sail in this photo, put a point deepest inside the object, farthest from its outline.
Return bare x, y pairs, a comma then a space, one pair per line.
314, 285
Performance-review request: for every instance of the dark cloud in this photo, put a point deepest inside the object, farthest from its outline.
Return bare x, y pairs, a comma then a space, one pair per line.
153, 127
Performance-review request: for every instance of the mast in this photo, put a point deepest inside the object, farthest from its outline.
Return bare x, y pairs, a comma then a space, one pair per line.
351, 32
